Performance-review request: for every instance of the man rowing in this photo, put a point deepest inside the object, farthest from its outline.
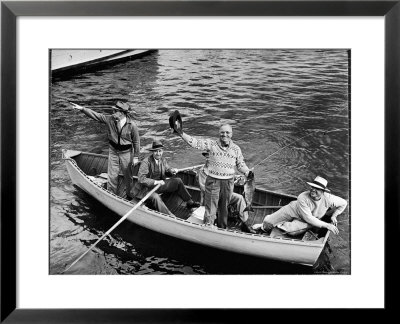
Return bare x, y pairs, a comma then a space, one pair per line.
154, 170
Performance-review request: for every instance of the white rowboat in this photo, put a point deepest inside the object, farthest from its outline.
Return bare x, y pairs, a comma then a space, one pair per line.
87, 172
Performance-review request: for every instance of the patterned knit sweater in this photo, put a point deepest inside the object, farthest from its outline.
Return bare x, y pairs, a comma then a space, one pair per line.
222, 160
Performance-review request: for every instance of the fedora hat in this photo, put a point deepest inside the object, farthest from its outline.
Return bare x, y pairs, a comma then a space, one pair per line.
123, 106
175, 122
319, 183
156, 146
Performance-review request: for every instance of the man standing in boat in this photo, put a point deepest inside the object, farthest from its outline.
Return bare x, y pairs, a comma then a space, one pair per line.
237, 201
153, 171
306, 211
124, 142
224, 156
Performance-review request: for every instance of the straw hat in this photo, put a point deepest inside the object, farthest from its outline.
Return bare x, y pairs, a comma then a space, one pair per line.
319, 183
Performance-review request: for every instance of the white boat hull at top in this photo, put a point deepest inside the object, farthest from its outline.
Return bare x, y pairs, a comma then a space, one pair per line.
72, 60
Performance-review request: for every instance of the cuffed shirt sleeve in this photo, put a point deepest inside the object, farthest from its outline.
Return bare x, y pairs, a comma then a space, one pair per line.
199, 144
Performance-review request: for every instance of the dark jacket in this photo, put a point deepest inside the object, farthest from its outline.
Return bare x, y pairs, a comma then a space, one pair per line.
145, 176
128, 136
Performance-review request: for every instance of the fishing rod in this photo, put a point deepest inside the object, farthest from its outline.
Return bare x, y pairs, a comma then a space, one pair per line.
70, 102
96, 108
189, 168
287, 146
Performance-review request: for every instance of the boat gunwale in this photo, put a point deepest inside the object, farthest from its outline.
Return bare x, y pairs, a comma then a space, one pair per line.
216, 230
95, 60
258, 189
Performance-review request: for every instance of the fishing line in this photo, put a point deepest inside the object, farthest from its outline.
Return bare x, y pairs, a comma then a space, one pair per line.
288, 145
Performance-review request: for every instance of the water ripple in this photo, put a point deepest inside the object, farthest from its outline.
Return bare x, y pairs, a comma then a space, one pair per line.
271, 97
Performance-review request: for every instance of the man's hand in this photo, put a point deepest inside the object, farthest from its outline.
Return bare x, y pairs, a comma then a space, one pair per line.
334, 220
75, 106
159, 182
250, 175
174, 171
332, 228
179, 132
135, 161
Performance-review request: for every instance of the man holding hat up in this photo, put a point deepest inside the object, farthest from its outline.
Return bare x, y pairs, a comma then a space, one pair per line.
153, 171
224, 156
306, 211
124, 142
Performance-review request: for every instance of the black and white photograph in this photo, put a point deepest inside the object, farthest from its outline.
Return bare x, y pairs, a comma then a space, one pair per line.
200, 161
196, 161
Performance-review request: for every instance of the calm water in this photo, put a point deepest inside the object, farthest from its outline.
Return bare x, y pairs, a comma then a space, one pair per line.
272, 98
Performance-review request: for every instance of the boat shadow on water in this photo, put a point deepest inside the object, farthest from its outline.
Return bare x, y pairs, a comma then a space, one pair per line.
132, 249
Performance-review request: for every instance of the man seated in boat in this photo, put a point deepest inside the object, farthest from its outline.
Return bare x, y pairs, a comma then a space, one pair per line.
237, 201
154, 170
124, 142
306, 211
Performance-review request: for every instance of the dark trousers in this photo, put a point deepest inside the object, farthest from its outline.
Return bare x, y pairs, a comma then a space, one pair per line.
172, 185
217, 196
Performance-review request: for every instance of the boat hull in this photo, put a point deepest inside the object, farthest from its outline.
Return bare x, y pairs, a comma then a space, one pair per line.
73, 61
281, 249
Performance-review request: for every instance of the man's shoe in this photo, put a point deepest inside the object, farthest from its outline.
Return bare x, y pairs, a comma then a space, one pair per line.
245, 228
192, 204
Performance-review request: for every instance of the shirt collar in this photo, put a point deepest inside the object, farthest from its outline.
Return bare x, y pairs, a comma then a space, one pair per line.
224, 147
122, 122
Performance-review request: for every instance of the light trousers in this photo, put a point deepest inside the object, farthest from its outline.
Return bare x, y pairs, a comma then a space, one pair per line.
118, 161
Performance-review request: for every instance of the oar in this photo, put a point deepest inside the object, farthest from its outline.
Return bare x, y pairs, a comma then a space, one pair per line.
189, 168
116, 224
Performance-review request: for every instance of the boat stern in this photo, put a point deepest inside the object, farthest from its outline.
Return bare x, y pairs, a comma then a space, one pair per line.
67, 154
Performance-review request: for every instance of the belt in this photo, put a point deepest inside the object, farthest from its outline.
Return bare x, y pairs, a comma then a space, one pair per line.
120, 147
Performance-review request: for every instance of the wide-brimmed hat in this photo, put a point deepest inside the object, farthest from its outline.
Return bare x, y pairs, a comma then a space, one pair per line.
156, 146
206, 154
175, 121
319, 183
123, 106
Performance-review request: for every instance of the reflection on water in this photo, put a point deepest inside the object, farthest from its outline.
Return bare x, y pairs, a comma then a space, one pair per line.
290, 115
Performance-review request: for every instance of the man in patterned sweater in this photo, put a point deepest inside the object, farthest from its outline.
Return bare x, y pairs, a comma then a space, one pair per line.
224, 156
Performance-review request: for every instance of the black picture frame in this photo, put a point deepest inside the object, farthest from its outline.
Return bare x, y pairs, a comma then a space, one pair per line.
11, 10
